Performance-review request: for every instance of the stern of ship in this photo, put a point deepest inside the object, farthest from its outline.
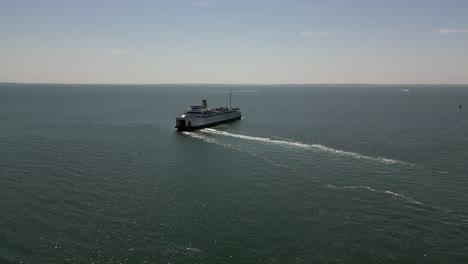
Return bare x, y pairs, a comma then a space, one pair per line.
181, 124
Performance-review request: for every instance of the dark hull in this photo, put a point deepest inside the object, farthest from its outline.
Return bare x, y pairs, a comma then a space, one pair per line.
192, 128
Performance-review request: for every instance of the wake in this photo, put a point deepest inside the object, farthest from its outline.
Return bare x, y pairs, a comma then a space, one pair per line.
214, 141
454, 218
206, 135
383, 192
304, 146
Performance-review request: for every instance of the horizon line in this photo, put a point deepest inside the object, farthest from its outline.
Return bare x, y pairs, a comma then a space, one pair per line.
234, 84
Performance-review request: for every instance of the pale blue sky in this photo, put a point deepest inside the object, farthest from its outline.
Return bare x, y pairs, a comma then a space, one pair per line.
234, 41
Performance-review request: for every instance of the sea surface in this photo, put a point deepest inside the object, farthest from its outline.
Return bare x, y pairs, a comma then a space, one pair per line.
311, 174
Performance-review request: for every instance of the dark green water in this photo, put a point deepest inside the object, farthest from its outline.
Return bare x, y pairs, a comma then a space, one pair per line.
318, 174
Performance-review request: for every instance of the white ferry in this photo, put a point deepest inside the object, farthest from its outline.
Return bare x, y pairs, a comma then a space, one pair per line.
200, 116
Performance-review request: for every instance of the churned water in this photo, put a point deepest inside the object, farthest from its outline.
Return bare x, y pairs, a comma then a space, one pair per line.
311, 174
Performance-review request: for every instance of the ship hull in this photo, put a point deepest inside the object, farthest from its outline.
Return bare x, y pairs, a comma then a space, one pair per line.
217, 123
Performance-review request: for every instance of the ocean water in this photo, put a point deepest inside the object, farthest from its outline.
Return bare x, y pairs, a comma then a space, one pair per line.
311, 174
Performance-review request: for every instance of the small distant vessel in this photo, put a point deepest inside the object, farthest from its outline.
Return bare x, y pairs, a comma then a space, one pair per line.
200, 116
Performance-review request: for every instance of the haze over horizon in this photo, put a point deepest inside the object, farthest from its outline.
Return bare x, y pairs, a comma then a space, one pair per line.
234, 42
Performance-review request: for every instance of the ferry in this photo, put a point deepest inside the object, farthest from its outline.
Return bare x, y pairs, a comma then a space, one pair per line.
201, 116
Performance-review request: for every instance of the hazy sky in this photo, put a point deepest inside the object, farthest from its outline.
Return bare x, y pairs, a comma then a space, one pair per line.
234, 41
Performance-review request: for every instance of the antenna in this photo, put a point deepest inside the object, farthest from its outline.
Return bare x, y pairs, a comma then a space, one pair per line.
230, 99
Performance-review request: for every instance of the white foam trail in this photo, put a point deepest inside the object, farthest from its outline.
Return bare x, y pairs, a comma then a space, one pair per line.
403, 196
193, 249
456, 216
212, 140
377, 191
303, 145
200, 136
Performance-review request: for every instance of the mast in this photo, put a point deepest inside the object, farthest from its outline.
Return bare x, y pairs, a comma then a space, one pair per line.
230, 100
